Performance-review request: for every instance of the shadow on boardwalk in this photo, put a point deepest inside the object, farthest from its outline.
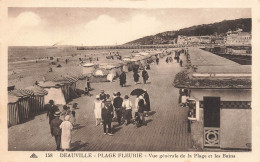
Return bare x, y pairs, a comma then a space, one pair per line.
78, 145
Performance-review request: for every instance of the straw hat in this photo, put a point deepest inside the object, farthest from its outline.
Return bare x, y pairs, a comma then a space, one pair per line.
57, 113
97, 96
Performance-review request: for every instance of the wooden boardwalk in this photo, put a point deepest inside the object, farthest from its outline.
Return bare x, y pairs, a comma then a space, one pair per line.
166, 129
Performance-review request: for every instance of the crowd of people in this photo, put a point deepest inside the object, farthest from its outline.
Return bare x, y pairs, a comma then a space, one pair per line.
176, 57
107, 108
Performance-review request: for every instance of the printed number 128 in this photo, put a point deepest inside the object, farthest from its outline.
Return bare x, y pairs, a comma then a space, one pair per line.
48, 154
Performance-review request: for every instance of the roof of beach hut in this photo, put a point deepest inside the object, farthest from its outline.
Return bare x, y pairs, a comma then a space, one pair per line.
36, 90
20, 93
48, 84
56, 77
71, 78
134, 59
12, 99
126, 59
75, 72
108, 67
88, 64
100, 72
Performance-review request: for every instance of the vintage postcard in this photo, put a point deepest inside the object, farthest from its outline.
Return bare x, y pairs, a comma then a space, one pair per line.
130, 80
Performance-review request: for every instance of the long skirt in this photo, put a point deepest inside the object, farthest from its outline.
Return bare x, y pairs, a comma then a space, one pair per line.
66, 127
97, 112
128, 114
147, 107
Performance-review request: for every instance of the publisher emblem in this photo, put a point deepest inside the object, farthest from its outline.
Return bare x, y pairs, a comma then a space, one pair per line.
33, 156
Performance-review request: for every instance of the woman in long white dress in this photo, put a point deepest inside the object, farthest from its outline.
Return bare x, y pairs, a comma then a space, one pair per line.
98, 105
66, 128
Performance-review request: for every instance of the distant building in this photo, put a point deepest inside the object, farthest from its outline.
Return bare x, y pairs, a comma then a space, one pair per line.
194, 40
205, 39
185, 40
238, 37
182, 40
218, 40
219, 101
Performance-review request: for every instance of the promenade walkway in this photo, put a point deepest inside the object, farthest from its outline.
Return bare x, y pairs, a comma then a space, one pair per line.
166, 129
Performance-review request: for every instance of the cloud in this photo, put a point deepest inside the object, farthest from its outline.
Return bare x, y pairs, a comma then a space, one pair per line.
106, 30
29, 28
27, 19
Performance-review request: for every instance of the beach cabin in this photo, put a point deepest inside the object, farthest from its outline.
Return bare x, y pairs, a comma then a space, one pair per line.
54, 92
99, 75
12, 110
219, 102
76, 78
125, 67
19, 110
88, 68
72, 85
118, 68
66, 82
112, 71
36, 100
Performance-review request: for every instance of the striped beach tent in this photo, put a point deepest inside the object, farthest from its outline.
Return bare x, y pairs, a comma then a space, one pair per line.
99, 75
36, 100
23, 103
12, 111
88, 68
62, 82
54, 92
73, 79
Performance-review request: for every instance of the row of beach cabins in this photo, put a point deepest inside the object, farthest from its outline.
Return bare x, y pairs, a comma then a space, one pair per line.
62, 86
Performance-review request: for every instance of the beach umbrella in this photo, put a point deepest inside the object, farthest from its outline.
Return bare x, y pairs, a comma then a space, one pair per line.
137, 92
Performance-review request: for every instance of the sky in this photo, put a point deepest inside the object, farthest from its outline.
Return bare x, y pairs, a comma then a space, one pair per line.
104, 26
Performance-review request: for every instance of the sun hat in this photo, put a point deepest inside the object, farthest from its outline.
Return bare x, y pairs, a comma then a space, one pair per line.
141, 97
67, 118
97, 96
57, 113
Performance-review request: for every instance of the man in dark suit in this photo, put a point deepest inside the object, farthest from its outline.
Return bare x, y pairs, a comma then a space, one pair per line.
117, 103
145, 75
107, 115
51, 109
55, 129
102, 96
